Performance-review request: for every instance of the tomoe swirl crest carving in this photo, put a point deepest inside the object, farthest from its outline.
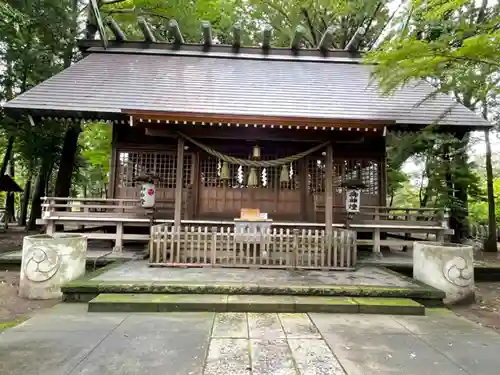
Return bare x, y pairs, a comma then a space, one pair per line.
42, 264
458, 272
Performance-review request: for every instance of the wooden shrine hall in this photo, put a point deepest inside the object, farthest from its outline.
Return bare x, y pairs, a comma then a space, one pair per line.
226, 129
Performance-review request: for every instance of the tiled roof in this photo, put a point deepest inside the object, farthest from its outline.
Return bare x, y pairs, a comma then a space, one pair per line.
329, 88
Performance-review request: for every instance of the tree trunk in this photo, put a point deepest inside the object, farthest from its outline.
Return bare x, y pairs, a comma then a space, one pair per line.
490, 245
10, 214
460, 189
26, 199
7, 156
38, 193
68, 156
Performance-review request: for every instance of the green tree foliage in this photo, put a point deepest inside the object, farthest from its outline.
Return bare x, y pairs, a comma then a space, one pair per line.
454, 45
94, 159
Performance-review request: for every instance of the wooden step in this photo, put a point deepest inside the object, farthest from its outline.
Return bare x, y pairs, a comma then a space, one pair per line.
114, 302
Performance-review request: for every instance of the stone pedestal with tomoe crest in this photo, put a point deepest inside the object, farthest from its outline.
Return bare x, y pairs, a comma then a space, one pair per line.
445, 266
48, 262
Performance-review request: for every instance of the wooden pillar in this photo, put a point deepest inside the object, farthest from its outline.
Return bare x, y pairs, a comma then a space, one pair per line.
329, 189
303, 186
382, 175
113, 167
178, 183
195, 189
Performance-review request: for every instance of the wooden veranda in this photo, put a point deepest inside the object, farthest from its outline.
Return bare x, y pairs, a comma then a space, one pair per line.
224, 128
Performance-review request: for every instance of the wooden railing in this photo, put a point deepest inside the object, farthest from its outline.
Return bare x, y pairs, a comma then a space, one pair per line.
415, 215
222, 246
106, 207
87, 213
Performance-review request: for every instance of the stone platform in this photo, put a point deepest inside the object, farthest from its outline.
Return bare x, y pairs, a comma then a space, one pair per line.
68, 340
137, 278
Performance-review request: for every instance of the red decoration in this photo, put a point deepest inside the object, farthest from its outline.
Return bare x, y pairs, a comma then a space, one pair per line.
151, 191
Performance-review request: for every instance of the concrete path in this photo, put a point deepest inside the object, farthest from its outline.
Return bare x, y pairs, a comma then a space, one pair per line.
66, 340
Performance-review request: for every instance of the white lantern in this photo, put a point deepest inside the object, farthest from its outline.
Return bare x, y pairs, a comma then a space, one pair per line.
148, 195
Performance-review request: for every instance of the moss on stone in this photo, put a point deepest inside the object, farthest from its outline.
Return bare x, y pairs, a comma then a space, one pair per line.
80, 286
125, 287
439, 311
12, 323
157, 303
260, 303
386, 301
393, 306
326, 305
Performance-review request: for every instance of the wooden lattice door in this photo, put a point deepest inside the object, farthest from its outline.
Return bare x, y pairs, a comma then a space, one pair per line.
224, 198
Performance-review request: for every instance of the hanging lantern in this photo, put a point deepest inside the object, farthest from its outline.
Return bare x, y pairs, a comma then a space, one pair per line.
285, 175
224, 172
256, 152
252, 178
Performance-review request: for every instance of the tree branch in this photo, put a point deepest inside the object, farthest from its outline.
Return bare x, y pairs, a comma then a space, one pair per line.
280, 11
310, 25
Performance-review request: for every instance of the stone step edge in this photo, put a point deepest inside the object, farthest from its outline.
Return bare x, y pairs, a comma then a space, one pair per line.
252, 303
84, 290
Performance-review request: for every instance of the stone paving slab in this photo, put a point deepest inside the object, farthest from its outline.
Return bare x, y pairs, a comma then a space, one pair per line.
476, 354
246, 343
230, 325
376, 354
265, 326
367, 276
442, 322
272, 357
42, 352
153, 345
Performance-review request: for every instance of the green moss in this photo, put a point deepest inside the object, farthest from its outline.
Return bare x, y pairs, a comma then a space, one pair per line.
439, 311
260, 303
386, 301
9, 324
325, 300
393, 306
125, 287
80, 286
157, 303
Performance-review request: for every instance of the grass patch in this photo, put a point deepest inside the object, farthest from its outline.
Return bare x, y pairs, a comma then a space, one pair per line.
12, 323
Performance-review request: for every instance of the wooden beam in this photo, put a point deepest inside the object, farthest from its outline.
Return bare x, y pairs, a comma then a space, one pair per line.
206, 30
146, 30
353, 44
115, 29
236, 36
251, 134
266, 37
297, 37
179, 183
281, 122
327, 39
164, 47
175, 32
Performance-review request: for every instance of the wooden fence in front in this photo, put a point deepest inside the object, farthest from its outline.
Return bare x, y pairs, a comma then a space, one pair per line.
222, 246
